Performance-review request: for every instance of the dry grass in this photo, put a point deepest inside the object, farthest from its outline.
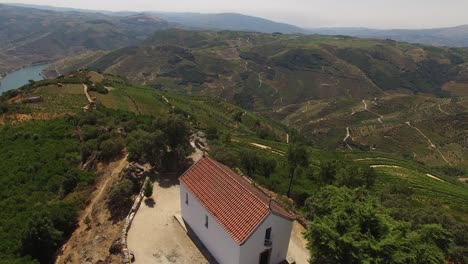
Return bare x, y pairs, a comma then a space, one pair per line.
95, 77
460, 89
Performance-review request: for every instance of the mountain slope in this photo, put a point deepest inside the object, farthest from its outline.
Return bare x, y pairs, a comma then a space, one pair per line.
273, 70
228, 21
30, 36
316, 85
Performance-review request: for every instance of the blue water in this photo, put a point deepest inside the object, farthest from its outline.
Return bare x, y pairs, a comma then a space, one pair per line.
21, 77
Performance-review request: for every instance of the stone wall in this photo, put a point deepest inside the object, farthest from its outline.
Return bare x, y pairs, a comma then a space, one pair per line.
127, 255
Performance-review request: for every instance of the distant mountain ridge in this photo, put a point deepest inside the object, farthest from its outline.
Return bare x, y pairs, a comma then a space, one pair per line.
450, 36
31, 36
229, 21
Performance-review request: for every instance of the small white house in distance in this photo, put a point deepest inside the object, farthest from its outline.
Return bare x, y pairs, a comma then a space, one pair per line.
235, 221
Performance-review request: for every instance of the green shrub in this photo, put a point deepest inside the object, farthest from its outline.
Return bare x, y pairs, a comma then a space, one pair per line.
148, 189
119, 199
111, 148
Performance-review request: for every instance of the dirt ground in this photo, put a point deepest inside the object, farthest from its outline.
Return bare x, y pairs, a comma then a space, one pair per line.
91, 240
297, 250
155, 235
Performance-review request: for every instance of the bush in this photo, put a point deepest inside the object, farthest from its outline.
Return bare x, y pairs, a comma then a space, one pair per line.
111, 148
119, 199
148, 189
212, 133
98, 87
41, 238
348, 226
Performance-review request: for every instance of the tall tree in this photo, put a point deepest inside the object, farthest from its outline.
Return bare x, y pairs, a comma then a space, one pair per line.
147, 147
297, 157
41, 238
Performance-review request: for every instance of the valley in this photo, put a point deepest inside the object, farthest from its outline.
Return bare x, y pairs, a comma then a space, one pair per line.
361, 144
232, 133
315, 84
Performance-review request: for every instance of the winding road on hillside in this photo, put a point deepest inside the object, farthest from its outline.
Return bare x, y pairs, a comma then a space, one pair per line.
442, 110
431, 144
367, 109
348, 135
260, 82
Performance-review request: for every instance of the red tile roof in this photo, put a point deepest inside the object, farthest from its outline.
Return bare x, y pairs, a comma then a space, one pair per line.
236, 205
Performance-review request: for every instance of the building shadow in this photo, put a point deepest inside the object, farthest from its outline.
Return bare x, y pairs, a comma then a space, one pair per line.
200, 245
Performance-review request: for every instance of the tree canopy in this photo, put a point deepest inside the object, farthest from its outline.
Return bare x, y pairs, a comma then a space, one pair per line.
348, 226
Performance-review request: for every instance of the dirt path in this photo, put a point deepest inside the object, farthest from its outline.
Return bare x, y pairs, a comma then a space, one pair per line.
260, 82
95, 233
348, 135
434, 177
431, 144
386, 166
85, 90
442, 110
260, 146
372, 112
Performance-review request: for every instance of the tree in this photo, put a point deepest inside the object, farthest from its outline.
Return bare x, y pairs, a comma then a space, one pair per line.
267, 167
146, 147
249, 162
347, 226
328, 172
148, 189
111, 148
41, 238
211, 133
297, 157
238, 116
353, 176
177, 132
119, 198
71, 180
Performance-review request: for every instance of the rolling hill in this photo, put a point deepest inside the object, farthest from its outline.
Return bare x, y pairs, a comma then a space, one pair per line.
412, 192
317, 85
450, 36
32, 36
228, 21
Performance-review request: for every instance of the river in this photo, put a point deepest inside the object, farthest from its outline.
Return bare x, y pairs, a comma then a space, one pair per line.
21, 77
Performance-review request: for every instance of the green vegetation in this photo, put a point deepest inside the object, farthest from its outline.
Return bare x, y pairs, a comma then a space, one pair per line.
348, 226
414, 212
148, 189
398, 196
42, 188
120, 198
315, 84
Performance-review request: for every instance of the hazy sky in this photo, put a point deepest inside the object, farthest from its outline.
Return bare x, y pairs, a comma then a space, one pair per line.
305, 13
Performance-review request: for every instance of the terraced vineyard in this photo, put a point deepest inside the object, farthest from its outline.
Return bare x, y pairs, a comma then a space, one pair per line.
235, 133
318, 85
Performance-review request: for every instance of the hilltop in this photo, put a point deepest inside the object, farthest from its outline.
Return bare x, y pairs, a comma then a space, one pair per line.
321, 86
409, 191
